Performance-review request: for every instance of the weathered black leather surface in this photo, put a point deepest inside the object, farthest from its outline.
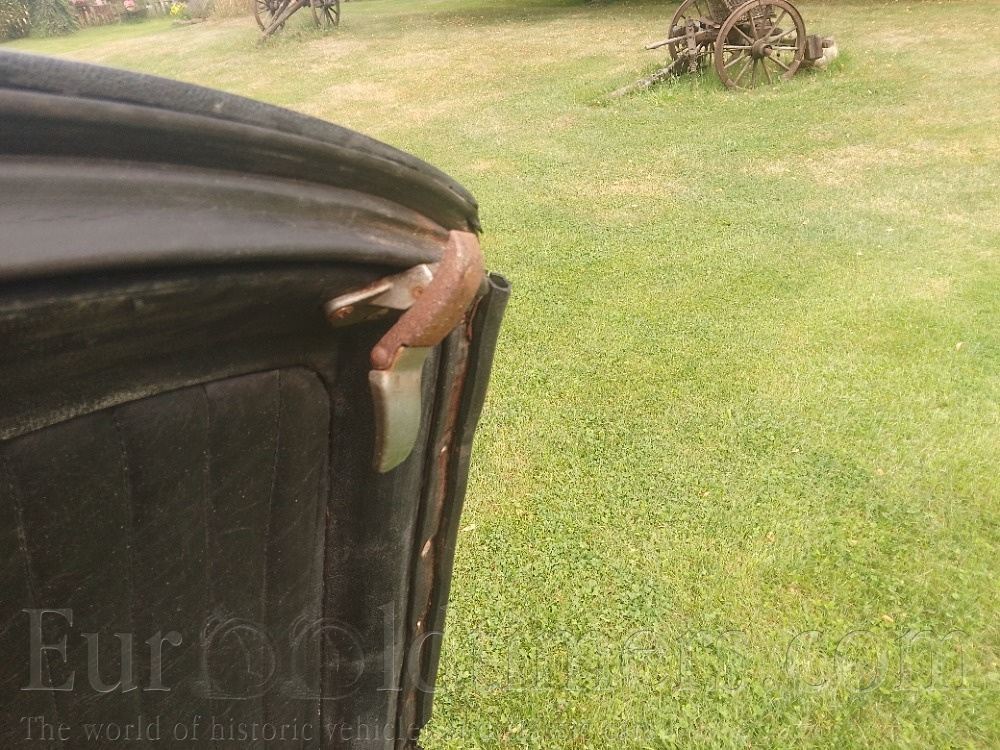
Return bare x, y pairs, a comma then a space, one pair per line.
186, 443
49, 101
199, 511
117, 151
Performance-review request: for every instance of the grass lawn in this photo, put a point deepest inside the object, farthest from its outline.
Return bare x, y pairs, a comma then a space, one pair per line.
743, 437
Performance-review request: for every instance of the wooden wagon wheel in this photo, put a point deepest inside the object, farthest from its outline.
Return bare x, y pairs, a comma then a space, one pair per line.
762, 42
326, 13
265, 11
690, 11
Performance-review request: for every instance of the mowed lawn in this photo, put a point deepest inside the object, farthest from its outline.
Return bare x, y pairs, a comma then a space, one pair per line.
737, 482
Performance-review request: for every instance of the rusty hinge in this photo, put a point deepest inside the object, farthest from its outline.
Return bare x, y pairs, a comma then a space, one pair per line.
435, 298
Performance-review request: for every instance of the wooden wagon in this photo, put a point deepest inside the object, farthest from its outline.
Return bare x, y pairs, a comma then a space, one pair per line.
750, 42
272, 14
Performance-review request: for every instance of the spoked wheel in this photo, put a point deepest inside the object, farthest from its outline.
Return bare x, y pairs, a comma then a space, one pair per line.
326, 13
265, 11
696, 12
762, 42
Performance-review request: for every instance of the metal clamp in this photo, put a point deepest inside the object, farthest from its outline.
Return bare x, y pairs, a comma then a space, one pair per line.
436, 298
397, 292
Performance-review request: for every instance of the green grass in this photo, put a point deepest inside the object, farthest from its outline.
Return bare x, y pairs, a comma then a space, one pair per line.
749, 379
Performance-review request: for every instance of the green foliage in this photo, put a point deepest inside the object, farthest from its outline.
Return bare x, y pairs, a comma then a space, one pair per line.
14, 22
51, 18
39, 18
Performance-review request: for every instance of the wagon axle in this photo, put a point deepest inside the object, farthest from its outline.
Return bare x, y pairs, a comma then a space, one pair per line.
761, 48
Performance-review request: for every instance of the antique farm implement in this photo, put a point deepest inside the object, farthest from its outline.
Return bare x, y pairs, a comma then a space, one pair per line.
750, 42
272, 14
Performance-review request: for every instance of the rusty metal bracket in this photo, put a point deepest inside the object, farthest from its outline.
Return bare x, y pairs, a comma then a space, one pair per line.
441, 306
398, 358
397, 292
435, 298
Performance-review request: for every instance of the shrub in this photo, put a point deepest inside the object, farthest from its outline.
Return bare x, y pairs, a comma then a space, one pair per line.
230, 8
51, 17
14, 21
199, 8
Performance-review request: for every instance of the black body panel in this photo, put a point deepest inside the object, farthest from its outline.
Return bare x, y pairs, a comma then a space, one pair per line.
186, 476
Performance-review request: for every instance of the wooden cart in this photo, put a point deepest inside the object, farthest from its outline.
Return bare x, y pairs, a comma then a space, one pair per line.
272, 14
750, 42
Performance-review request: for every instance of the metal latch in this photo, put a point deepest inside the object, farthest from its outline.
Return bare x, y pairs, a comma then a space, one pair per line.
435, 298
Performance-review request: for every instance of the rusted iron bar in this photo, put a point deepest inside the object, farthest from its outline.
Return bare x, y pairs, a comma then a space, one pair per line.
700, 37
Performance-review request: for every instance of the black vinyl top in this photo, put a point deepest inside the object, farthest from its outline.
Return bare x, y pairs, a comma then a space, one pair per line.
59, 117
